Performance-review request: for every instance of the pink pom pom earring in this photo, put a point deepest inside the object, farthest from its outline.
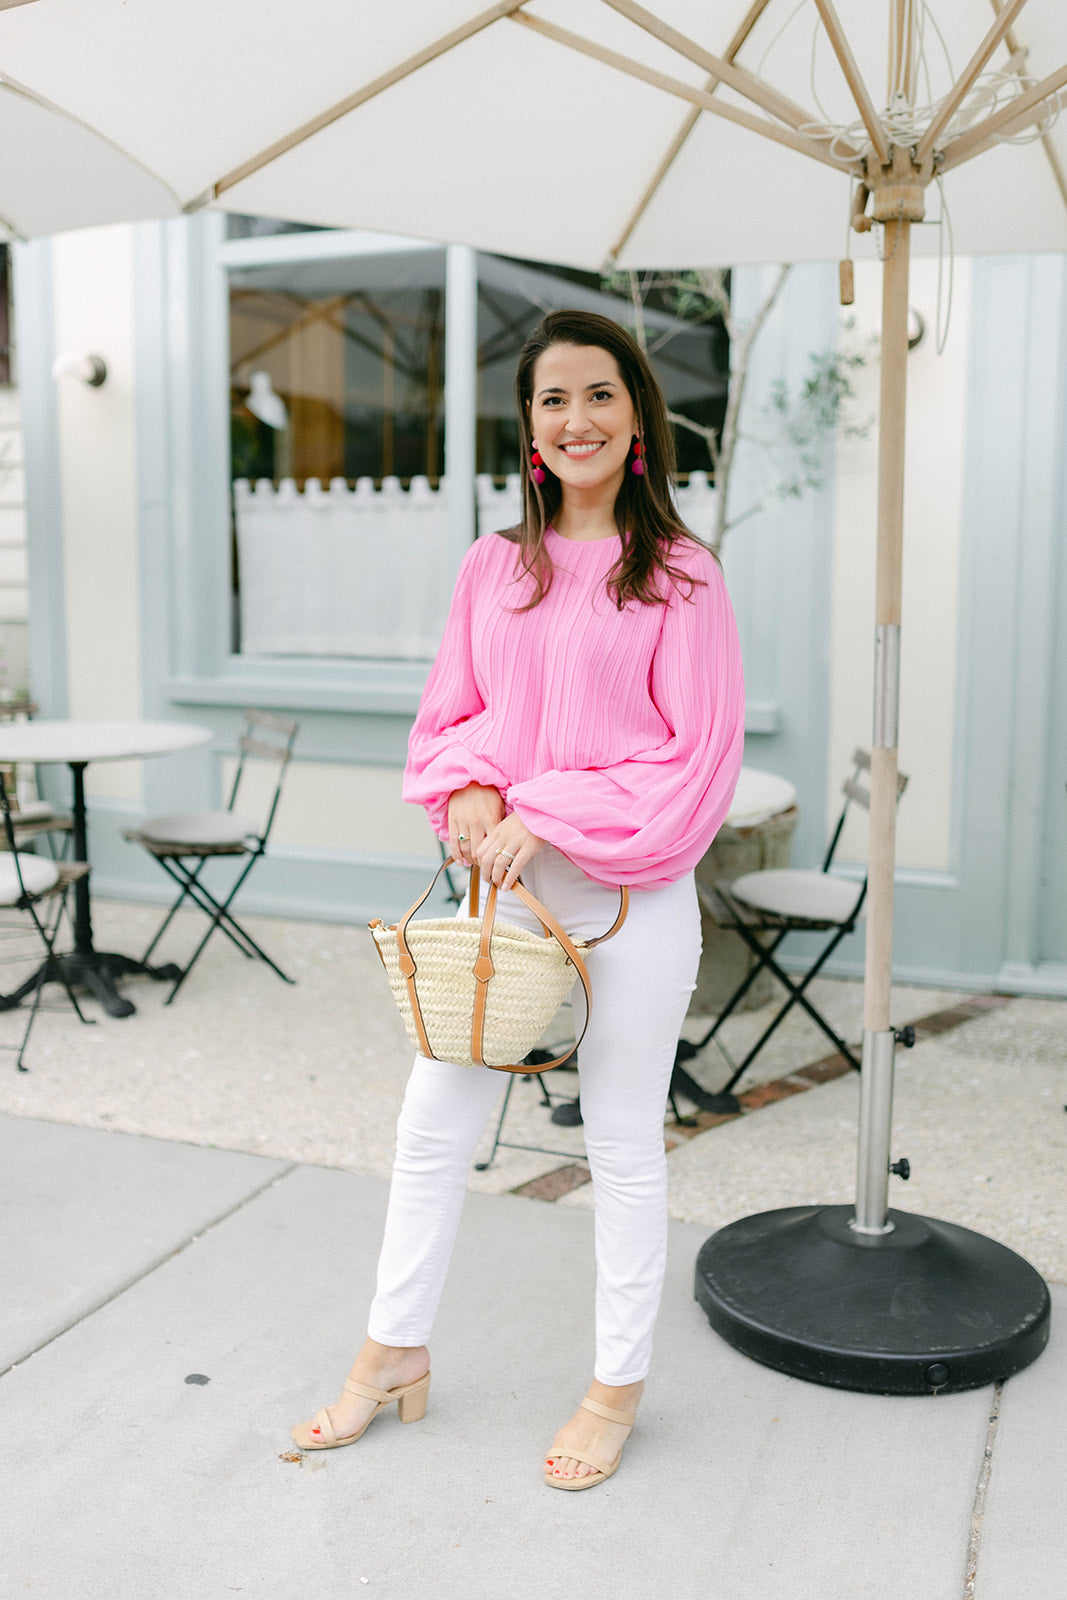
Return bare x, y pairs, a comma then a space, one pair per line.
537, 472
637, 466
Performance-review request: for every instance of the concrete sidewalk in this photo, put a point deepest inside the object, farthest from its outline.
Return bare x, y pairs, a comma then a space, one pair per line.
168, 1310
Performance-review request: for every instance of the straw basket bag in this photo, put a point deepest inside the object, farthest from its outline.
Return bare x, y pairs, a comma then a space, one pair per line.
478, 992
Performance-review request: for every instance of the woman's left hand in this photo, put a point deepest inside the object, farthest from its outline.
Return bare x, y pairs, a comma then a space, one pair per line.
505, 851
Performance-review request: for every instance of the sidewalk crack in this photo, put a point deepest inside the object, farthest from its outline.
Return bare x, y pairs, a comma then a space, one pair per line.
974, 1542
154, 1266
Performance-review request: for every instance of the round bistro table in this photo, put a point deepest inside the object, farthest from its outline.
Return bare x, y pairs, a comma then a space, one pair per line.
758, 797
76, 744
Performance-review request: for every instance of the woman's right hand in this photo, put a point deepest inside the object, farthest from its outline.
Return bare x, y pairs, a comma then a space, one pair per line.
472, 812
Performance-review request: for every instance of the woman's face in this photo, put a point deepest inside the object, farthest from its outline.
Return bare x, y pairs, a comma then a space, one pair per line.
582, 416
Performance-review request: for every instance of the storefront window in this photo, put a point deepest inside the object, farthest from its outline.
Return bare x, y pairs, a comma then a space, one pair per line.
337, 433
354, 352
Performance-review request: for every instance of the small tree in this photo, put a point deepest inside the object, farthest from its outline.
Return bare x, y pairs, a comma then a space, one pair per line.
797, 421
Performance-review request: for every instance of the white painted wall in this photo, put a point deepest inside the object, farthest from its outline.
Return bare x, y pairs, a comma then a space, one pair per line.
93, 288
328, 806
932, 508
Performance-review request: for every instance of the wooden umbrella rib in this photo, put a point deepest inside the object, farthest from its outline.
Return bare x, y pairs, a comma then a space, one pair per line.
737, 78
853, 77
728, 72
1027, 109
902, 54
955, 97
1051, 153
674, 149
666, 162
13, 86
684, 91
744, 28
440, 47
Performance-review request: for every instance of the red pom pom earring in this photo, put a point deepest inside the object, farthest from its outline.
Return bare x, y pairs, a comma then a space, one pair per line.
537, 472
637, 466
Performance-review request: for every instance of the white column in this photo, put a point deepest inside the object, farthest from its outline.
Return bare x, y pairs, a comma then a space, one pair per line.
461, 394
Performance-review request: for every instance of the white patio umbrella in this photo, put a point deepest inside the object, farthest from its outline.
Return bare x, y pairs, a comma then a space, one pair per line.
592, 132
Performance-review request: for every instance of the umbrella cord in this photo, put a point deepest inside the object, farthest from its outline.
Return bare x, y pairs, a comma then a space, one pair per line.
944, 222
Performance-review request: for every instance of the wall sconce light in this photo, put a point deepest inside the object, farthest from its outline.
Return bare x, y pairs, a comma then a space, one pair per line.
91, 369
916, 327
263, 403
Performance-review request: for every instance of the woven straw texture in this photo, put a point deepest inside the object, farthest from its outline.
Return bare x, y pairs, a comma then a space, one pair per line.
533, 977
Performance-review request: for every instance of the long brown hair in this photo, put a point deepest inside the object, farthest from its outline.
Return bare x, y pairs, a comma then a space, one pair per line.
645, 514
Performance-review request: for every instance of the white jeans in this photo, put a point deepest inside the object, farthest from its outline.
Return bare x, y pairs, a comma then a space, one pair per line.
642, 980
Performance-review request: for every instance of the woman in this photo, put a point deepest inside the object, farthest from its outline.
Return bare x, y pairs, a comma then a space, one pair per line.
582, 726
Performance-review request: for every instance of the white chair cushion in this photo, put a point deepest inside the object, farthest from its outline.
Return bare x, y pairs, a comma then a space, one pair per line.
38, 875
792, 893
197, 827
33, 811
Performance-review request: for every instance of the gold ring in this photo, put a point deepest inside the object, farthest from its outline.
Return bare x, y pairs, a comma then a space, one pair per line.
506, 853
463, 837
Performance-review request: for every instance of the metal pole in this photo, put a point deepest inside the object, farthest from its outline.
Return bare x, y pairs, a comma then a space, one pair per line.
83, 926
876, 1099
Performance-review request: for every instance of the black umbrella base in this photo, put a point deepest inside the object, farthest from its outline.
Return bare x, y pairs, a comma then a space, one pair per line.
929, 1308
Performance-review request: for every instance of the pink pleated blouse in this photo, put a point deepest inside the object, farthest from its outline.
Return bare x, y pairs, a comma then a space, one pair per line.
615, 735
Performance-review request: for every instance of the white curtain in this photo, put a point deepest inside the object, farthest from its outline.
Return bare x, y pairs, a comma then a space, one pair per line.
365, 571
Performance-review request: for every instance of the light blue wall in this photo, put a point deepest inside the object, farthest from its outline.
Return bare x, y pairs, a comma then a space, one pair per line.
995, 919
779, 563
1012, 703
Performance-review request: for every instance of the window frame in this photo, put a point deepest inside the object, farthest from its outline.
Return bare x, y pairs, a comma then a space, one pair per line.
183, 318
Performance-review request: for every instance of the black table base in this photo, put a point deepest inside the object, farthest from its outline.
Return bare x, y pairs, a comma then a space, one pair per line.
95, 970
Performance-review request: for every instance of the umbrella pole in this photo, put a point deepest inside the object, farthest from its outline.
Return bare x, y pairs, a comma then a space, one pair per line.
876, 1091
890, 1303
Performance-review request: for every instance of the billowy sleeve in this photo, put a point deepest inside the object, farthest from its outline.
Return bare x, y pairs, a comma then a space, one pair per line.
438, 761
647, 820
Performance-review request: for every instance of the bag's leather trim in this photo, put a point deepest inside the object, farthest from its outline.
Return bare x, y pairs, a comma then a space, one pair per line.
624, 906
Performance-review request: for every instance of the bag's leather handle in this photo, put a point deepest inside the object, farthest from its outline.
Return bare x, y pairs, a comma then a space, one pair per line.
483, 966
483, 971
407, 961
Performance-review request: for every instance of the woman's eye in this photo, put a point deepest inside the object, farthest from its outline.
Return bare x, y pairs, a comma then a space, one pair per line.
603, 394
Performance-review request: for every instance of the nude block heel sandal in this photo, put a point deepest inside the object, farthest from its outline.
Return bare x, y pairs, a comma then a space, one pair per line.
410, 1400
601, 1469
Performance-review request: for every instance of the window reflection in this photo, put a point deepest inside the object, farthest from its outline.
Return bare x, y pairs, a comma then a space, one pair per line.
337, 374
355, 349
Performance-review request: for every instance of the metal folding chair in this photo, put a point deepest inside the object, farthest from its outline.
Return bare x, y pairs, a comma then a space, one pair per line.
763, 908
33, 898
183, 843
